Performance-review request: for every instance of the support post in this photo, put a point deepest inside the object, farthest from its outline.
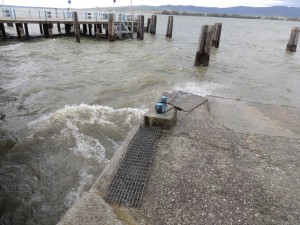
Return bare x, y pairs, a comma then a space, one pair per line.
2, 28
95, 29
68, 29
170, 27
148, 25
153, 24
50, 29
293, 41
76, 27
84, 27
20, 31
111, 29
90, 30
26, 31
98, 31
140, 28
204, 46
217, 35
58, 28
41, 28
46, 30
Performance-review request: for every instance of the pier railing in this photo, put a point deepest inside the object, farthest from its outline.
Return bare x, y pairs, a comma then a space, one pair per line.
13, 14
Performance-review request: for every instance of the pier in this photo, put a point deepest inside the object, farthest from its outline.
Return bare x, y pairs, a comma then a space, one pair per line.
123, 24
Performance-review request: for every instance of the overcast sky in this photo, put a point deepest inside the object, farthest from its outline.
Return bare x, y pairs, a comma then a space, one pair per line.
108, 3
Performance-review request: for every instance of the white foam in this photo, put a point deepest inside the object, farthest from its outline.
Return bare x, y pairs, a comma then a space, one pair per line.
202, 89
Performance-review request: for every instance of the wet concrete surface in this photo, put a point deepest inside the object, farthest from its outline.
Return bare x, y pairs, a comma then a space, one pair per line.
225, 162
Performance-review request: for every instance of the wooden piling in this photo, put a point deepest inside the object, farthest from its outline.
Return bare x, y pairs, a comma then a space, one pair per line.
68, 29
293, 41
2, 28
95, 29
20, 31
50, 29
204, 46
41, 28
46, 30
170, 27
153, 24
76, 27
217, 35
58, 28
111, 29
90, 29
84, 28
98, 31
140, 29
148, 25
26, 31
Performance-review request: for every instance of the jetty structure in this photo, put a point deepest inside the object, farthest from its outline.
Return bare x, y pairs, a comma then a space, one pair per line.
87, 22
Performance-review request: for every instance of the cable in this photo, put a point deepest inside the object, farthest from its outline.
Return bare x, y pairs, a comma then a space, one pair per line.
180, 109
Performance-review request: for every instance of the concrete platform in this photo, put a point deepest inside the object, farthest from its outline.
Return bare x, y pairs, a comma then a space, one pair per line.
225, 162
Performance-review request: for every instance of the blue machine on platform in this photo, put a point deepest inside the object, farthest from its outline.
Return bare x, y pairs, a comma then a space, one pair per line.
161, 106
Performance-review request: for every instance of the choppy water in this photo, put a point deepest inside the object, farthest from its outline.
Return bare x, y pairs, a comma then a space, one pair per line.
68, 106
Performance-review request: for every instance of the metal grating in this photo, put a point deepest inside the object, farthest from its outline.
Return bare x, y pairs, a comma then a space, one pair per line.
128, 185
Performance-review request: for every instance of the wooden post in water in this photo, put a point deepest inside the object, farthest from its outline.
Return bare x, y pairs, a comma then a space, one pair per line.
111, 29
170, 27
84, 28
153, 24
20, 31
90, 29
76, 27
26, 31
41, 28
204, 46
46, 30
95, 29
50, 29
293, 41
68, 29
58, 28
140, 29
98, 31
148, 25
217, 35
2, 28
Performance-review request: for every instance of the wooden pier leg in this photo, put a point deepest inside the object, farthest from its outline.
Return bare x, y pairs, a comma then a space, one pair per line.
148, 25
217, 35
46, 30
170, 27
153, 24
26, 31
76, 27
293, 41
68, 29
111, 29
100, 28
140, 29
50, 29
84, 27
10, 24
90, 29
2, 29
41, 28
20, 31
58, 28
95, 29
204, 46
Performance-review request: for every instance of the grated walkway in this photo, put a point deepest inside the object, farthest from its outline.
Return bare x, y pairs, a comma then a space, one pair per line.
128, 185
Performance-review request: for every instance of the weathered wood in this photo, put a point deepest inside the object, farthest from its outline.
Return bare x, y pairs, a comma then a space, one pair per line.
26, 31
46, 30
68, 29
293, 41
2, 29
20, 31
217, 35
140, 29
111, 29
170, 27
98, 31
204, 46
90, 29
76, 27
50, 29
58, 28
148, 25
84, 29
95, 29
153, 24
41, 28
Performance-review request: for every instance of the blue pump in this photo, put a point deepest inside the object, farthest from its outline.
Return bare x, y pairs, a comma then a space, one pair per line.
160, 107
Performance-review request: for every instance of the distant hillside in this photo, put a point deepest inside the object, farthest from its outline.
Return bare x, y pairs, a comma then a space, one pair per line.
278, 11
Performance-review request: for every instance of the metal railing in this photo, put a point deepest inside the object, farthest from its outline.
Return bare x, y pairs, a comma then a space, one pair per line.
61, 15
